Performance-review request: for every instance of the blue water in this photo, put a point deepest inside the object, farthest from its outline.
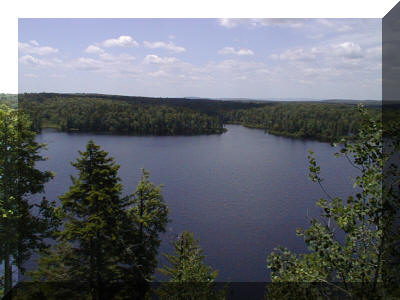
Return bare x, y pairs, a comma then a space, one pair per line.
241, 193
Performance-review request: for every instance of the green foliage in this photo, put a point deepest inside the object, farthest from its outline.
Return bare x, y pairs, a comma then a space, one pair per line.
189, 277
168, 116
21, 230
94, 217
107, 239
9, 100
105, 115
360, 265
321, 121
149, 214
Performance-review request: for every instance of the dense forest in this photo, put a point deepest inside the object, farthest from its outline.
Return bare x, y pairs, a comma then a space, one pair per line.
104, 115
322, 120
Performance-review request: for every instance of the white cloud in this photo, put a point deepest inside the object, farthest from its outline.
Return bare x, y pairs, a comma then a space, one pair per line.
92, 49
335, 25
33, 61
231, 50
348, 49
280, 22
154, 59
170, 46
122, 41
34, 48
104, 62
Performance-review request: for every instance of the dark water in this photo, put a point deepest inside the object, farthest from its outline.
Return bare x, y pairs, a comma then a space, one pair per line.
242, 193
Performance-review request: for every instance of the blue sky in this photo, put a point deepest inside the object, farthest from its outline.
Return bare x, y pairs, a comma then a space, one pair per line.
238, 58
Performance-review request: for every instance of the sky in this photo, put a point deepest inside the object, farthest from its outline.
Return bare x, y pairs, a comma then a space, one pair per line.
214, 58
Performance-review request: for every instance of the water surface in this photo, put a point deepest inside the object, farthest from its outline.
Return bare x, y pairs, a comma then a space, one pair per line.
242, 193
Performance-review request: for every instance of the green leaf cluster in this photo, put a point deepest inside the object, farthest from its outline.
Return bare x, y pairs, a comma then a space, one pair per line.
361, 265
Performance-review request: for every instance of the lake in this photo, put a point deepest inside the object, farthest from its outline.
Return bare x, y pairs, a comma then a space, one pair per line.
242, 193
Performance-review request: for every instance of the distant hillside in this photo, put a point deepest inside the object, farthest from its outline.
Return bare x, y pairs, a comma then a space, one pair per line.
355, 102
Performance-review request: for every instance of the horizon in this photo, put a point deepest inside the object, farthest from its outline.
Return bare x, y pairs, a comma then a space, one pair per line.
272, 99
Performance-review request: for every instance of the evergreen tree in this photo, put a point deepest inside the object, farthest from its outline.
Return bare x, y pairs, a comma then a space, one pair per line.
149, 213
147, 216
108, 242
94, 212
21, 231
189, 277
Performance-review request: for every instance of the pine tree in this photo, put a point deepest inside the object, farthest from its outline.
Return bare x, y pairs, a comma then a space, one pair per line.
109, 242
21, 231
189, 277
147, 216
149, 213
94, 212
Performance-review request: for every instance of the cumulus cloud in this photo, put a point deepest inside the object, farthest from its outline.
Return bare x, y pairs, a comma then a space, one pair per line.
92, 49
33, 48
280, 22
122, 41
104, 61
348, 49
170, 46
34, 61
231, 50
154, 59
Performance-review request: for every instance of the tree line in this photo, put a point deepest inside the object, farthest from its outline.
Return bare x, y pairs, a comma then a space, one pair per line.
321, 121
103, 115
324, 121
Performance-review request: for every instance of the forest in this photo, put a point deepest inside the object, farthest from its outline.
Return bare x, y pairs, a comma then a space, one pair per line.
321, 121
115, 116
324, 121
